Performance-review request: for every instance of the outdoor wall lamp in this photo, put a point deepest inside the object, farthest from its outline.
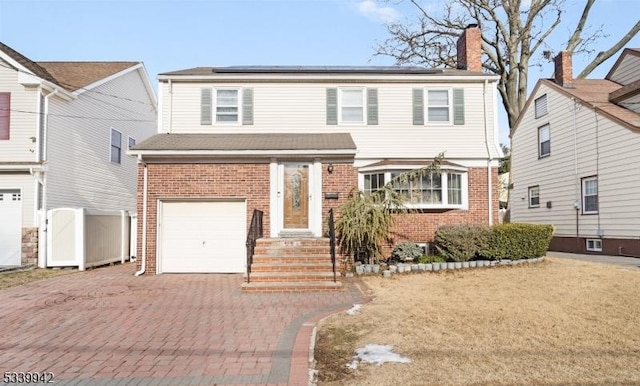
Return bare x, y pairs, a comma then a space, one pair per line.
330, 168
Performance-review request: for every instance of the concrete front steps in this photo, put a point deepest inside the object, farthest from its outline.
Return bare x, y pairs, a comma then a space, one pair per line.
292, 264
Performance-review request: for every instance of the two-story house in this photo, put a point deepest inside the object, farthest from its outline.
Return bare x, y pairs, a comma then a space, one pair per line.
64, 131
575, 150
293, 142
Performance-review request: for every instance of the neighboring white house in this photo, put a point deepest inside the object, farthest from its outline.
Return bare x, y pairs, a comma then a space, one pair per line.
292, 141
575, 156
64, 131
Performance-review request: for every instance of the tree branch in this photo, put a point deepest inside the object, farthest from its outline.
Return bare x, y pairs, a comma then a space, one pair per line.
604, 55
575, 38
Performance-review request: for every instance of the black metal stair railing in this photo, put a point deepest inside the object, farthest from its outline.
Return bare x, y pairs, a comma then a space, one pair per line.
255, 232
332, 242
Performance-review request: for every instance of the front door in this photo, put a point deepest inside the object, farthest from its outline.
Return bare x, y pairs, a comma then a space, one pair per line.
296, 196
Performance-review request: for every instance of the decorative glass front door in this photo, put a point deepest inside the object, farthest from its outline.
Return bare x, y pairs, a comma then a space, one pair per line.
296, 196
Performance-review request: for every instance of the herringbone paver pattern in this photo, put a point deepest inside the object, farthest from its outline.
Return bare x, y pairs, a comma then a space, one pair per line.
107, 327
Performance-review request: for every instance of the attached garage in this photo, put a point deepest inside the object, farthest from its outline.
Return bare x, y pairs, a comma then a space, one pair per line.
10, 227
202, 237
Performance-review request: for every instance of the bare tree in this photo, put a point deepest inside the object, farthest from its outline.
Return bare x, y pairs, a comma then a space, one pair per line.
513, 32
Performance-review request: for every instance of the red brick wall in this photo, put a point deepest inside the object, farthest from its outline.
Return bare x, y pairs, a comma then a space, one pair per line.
420, 227
251, 182
248, 181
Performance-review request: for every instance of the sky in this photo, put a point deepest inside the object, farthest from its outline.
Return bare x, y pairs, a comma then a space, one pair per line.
174, 35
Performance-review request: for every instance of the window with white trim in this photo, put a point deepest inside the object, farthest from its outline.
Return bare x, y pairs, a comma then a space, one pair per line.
352, 103
116, 146
594, 245
227, 105
534, 196
544, 141
438, 105
590, 195
448, 189
541, 106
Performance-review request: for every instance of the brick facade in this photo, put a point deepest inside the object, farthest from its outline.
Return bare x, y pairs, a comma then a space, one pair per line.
251, 182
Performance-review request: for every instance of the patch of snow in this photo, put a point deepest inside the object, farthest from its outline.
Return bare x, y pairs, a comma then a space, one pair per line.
376, 354
354, 310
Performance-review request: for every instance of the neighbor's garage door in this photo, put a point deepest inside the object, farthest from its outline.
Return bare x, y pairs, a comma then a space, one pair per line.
10, 227
203, 237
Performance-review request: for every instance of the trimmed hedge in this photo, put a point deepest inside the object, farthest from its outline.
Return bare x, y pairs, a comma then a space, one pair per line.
461, 242
406, 251
518, 241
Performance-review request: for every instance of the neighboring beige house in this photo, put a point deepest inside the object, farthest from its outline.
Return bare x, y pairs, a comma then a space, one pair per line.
64, 131
575, 151
292, 142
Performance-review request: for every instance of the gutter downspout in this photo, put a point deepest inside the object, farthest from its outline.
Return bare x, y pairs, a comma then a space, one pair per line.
576, 203
43, 222
145, 183
486, 142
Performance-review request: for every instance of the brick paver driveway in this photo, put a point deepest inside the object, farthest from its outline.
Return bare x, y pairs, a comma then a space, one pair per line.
107, 327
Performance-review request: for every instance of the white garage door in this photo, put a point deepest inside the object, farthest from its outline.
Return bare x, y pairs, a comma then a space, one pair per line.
10, 227
203, 237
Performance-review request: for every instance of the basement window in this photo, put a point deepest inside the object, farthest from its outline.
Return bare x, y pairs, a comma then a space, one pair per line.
594, 245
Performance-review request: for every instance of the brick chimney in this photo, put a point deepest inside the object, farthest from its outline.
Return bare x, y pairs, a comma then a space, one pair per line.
563, 73
469, 49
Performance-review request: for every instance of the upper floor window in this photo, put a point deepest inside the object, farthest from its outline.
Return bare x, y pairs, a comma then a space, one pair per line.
5, 115
116, 146
352, 105
590, 195
544, 141
227, 109
226, 106
534, 197
438, 106
541, 106
132, 142
448, 189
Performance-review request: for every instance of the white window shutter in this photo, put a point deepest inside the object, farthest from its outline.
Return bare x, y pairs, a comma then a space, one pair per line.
332, 106
372, 106
247, 106
418, 106
458, 106
205, 106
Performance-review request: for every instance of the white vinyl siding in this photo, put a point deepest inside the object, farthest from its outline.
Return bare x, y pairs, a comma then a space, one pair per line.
302, 107
575, 156
79, 172
628, 70
23, 118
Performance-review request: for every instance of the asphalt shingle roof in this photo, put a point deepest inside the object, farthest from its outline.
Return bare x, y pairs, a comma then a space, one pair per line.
239, 142
69, 75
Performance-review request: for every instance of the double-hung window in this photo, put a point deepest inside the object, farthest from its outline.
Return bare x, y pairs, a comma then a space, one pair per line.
352, 105
544, 141
534, 197
438, 106
590, 195
227, 105
116, 146
447, 189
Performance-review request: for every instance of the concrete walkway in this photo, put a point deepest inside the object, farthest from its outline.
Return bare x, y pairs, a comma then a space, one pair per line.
106, 327
606, 259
